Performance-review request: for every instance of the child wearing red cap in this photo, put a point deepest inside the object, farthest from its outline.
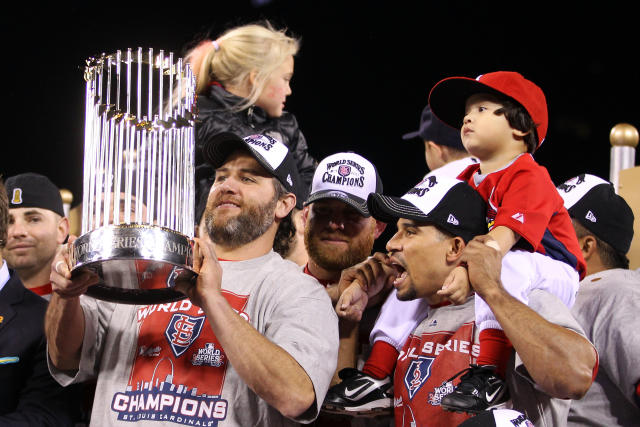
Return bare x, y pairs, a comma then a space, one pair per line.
503, 120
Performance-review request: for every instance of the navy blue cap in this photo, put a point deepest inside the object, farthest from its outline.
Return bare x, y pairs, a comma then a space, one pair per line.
32, 190
433, 129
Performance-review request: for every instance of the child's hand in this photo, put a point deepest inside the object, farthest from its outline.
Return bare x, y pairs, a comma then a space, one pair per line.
456, 286
352, 302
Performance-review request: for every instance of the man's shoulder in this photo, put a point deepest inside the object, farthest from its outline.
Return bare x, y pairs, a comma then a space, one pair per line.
14, 292
553, 310
616, 285
288, 267
294, 274
287, 275
22, 315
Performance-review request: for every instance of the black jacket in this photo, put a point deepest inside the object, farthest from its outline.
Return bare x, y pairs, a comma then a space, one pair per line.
29, 396
214, 115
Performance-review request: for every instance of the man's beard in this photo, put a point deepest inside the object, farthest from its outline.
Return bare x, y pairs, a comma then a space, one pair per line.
252, 222
332, 260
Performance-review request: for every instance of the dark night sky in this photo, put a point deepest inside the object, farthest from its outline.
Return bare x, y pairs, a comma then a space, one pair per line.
362, 76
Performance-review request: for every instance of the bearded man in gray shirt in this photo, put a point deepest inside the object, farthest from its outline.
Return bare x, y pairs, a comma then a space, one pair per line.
256, 341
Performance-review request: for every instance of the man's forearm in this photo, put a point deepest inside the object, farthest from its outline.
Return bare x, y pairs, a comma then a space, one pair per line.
64, 328
559, 360
266, 368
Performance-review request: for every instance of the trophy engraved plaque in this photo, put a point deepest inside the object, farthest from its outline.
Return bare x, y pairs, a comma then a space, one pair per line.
138, 177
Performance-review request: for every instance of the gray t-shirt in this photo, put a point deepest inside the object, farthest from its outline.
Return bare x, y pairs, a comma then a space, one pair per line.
162, 364
608, 307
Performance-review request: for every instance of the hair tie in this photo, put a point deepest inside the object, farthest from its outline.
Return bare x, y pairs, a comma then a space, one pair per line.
216, 45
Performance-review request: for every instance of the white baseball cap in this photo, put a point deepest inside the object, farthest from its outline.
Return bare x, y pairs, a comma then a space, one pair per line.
348, 177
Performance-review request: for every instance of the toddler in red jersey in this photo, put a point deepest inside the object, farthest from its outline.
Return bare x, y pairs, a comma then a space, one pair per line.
503, 120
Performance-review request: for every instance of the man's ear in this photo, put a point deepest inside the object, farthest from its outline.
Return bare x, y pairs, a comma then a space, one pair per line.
454, 251
435, 151
63, 230
433, 147
305, 215
588, 246
380, 227
284, 205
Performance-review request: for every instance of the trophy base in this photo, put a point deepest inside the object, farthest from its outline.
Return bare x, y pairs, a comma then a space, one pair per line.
135, 263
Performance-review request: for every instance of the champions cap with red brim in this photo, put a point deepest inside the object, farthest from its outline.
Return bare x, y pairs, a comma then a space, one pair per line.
449, 96
445, 202
593, 202
272, 154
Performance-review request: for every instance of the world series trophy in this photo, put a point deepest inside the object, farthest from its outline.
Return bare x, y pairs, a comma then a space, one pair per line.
138, 177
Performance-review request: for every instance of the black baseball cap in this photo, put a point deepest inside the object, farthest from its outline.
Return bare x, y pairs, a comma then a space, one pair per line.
32, 190
593, 202
433, 129
445, 202
272, 154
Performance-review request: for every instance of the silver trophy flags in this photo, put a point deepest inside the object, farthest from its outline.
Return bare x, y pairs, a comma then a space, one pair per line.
138, 189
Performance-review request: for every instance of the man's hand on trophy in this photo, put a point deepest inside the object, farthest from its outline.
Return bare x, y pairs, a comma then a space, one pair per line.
209, 278
61, 281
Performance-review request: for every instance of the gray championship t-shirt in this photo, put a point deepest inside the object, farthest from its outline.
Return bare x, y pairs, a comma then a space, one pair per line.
608, 307
162, 364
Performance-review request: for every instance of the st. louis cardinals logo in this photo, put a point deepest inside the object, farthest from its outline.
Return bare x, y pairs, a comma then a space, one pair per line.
417, 374
344, 170
182, 331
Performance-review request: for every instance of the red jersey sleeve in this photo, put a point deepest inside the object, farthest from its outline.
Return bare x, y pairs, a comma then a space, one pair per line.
526, 199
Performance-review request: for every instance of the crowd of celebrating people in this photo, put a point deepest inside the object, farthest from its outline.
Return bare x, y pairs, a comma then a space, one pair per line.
501, 299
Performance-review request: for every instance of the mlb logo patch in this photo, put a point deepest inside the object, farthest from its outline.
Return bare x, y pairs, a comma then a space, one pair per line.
518, 217
344, 170
417, 374
182, 331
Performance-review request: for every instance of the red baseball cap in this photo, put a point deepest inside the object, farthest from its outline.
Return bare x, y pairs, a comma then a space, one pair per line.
448, 97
